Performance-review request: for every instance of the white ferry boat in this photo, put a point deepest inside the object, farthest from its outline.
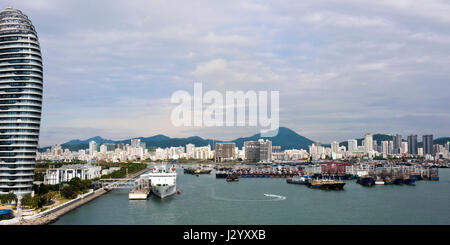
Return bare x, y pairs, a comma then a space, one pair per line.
163, 181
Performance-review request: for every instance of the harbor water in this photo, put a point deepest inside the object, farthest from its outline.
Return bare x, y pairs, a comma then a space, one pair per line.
205, 200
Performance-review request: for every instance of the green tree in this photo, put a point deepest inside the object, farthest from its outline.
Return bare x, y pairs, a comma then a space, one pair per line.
69, 192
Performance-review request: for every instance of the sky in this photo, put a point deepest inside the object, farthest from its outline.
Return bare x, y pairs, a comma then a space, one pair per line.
342, 68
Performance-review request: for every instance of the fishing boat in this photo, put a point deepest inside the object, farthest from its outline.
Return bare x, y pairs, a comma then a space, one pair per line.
410, 181
366, 181
326, 184
232, 177
221, 175
379, 182
297, 180
388, 181
398, 181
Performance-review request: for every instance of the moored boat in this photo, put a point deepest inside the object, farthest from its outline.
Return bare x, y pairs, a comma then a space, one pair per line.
326, 184
410, 181
297, 180
366, 181
379, 182
398, 181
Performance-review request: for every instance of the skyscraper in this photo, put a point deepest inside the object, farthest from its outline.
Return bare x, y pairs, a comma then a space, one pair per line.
368, 143
427, 140
412, 144
352, 145
20, 101
92, 148
397, 139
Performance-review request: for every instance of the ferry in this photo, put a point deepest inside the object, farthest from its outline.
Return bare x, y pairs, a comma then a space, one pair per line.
163, 181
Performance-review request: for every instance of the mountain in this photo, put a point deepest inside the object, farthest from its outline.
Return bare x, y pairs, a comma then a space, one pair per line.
286, 138
97, 139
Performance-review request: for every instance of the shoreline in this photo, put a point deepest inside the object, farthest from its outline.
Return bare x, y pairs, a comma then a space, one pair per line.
53, 216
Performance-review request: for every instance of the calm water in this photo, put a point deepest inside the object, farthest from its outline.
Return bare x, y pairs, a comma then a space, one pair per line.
206, 200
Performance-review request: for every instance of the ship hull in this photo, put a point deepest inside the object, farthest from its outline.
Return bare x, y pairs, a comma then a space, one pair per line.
164, 191
221, 175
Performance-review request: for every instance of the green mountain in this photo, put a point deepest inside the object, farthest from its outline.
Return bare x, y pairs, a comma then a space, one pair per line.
286, 138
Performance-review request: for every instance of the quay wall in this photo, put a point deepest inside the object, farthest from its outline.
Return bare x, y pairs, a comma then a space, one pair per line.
51, 215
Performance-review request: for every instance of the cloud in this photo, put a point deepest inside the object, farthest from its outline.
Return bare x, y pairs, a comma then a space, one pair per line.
342, 68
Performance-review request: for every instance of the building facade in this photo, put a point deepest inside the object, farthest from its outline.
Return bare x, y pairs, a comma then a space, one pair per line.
224, 152
412, 144
397, 140
427, 140
21, 83
68, 172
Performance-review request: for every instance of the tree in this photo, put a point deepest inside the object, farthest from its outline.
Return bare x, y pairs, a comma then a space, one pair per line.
76, 183
69, 192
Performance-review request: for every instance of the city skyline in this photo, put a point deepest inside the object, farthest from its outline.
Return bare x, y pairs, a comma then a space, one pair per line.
340, 74
224, 139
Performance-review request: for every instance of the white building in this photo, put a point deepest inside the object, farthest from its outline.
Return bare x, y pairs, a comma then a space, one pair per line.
368, 143
404, 148
68, 172
92, 148
352, 145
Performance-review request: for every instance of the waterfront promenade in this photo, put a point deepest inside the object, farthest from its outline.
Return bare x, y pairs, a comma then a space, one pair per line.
53, 214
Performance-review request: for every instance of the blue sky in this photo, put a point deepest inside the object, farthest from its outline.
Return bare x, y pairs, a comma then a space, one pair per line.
343, 68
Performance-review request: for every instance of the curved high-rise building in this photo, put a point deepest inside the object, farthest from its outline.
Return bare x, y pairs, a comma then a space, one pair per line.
20, 101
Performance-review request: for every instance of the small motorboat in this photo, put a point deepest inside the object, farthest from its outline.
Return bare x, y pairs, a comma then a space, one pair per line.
379, 182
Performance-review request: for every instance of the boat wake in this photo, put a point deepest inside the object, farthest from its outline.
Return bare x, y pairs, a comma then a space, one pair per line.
275, 198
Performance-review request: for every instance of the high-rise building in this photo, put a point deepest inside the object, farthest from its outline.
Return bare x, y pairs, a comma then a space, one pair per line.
412, 144
391, 147
265, 150
92, 148
404, 148
260, 150
352, 145
334, 146
190, 150
427, 141
224, 151
397, 140
21, 83
385, 147
368, 143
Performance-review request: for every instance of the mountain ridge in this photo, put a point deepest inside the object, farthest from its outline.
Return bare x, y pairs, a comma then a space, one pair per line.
286, 138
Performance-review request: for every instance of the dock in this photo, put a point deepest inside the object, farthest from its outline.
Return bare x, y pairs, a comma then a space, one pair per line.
142, 190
